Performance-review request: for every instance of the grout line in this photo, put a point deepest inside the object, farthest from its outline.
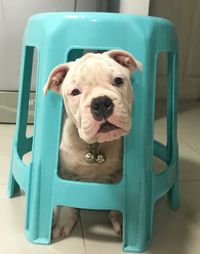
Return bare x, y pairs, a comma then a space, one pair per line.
181, 138
188, 146
82, 231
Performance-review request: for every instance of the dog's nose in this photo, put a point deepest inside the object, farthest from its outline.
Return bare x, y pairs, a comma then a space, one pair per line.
102, 107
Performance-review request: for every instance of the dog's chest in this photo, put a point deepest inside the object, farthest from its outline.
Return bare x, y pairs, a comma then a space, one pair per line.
74, 166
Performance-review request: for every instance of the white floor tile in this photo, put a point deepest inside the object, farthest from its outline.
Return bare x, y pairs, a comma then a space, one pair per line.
189, 125
173, 232
178, 232
189, 163
188, 122
12, 238
6, 136
189, 158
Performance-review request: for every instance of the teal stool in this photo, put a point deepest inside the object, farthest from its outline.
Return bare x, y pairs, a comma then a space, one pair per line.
61, 37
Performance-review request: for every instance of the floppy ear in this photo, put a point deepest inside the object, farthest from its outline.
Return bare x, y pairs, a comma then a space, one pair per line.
125, 59
56, 78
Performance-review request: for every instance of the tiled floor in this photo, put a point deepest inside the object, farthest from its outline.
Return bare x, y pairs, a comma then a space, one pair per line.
173, 232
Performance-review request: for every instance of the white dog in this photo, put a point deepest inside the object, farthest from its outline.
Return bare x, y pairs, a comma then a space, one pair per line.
98, 97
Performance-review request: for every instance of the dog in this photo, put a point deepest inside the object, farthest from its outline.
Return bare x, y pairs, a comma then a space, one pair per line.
98, 97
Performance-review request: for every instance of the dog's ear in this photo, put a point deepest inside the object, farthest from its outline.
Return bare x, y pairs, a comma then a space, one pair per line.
126, 59
56, 78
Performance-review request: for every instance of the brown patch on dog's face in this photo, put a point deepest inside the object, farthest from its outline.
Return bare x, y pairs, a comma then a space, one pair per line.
98, 95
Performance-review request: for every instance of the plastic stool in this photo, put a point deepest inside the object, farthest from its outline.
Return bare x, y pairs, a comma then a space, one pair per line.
60, 37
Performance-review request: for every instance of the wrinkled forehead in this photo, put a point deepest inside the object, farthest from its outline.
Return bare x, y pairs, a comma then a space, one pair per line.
92, 67
95, 67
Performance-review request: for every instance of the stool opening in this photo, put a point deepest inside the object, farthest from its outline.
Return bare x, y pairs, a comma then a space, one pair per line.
27, 103
158, 165
100, 224
96, 224
75, 53
163, 110
97, 151
161, 88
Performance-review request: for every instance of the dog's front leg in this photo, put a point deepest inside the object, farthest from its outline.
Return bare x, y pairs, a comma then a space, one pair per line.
115, 218
64, 221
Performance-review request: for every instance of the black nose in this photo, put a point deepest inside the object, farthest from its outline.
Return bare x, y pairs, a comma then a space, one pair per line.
102, 107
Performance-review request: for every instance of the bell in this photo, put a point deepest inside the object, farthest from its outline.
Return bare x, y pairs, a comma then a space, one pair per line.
89, 157
100, 158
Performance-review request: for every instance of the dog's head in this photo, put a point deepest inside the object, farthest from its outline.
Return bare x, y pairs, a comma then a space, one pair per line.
97, 93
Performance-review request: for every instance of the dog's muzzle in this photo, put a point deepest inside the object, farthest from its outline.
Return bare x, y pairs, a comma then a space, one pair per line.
101, 107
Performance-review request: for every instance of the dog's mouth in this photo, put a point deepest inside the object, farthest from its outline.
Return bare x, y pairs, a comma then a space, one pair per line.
106, 127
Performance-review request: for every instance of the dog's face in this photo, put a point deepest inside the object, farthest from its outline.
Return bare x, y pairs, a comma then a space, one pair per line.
97, 93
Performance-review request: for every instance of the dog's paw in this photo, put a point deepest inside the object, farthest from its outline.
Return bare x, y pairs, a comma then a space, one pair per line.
62, 230
66, 219
115, 218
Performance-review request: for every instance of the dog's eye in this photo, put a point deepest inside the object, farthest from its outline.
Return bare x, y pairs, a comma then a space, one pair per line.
75, 92
118, 81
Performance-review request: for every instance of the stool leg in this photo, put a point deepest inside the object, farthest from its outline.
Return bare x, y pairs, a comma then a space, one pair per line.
13, 186
173, 195
20, 142
39, 212
138, 208
138, 155
45, 155
137, 229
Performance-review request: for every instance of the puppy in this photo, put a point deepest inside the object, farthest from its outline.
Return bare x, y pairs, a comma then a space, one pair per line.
98, 97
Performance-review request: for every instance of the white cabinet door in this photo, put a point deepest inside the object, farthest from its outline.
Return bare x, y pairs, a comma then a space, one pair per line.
140, 7
13, 18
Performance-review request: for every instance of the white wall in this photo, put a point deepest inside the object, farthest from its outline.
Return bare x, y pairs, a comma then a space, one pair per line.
140, 7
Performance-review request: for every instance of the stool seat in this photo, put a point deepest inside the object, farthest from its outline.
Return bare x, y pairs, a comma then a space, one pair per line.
60, 37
